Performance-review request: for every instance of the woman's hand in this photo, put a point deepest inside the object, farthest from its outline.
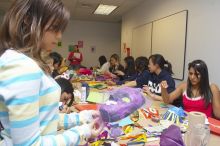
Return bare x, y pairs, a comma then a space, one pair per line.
146, 89
164, 85
149, 93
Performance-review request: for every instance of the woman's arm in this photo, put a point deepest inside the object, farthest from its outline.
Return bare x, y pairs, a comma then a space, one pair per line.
70, 56
169, 98
67, 121
25, 120
130, 84
171, 88
142, 79
215, 100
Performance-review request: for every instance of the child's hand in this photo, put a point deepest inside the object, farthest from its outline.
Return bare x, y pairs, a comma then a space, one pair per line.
118, 72
96, 127
66, 109
164, 85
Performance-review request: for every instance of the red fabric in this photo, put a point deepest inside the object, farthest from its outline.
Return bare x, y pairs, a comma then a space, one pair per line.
196, 105
73, 60
84, 71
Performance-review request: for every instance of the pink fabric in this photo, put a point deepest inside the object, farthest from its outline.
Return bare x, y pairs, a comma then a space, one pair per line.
196, 104
84, 71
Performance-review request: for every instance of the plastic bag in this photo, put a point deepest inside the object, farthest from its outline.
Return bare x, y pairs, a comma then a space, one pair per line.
122, 102
171, 137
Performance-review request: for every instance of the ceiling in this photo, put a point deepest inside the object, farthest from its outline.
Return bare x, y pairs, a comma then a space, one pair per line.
83, 9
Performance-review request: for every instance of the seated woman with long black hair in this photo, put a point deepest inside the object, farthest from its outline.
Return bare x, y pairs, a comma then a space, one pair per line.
104, 65
198, 94
129, 73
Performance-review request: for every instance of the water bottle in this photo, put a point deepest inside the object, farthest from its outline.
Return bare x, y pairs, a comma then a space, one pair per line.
200, 135
83, 94
60, 106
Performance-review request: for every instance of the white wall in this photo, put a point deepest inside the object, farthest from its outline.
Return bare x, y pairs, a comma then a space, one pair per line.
104, 36
203, 36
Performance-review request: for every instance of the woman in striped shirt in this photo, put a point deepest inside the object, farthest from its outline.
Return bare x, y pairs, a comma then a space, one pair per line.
29, 97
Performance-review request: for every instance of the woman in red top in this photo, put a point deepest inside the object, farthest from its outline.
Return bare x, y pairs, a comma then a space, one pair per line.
198, 94
75, 57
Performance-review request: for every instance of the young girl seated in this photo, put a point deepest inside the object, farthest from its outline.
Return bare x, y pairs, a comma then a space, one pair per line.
57, 60
160, 70
67, 96
115, 65
49, 61
104, 65
198, 94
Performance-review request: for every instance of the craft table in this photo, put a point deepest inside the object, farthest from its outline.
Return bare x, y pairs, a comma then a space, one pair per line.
214, 139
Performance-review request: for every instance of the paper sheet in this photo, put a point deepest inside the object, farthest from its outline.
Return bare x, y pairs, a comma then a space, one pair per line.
77, 55
98, 97
124, 122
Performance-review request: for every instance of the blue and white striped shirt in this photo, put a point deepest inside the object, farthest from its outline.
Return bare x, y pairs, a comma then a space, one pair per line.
29, 106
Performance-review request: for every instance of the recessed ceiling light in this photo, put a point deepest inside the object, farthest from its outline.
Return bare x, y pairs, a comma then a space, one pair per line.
105, 9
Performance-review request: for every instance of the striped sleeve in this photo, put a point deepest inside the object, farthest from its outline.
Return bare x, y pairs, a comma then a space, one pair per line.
25, 129
75, 136
67, 121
